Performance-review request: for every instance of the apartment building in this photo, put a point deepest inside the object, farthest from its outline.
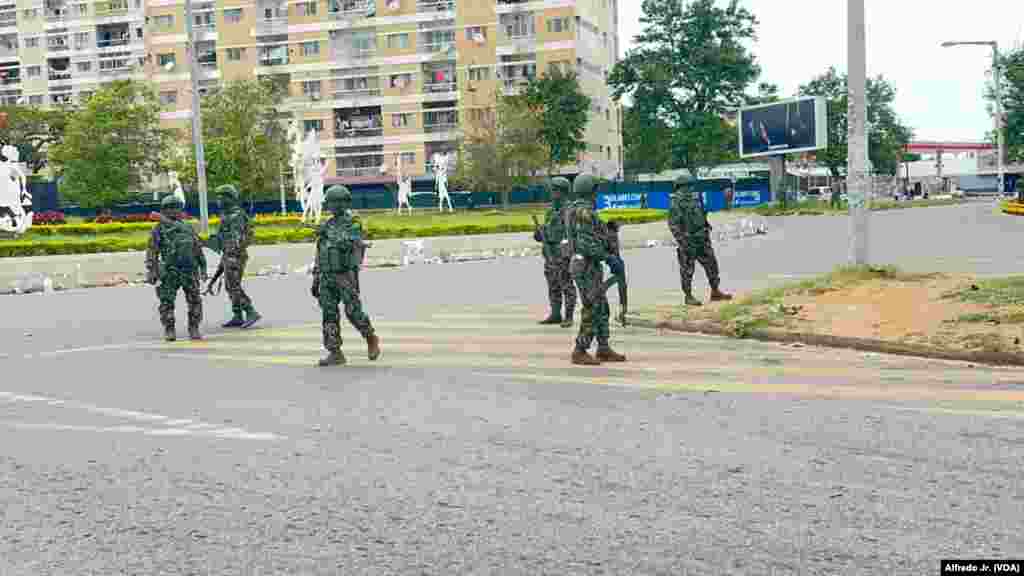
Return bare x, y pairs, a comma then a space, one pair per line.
382, 81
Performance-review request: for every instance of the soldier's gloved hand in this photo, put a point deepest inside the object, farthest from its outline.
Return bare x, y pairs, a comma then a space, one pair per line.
537, 236
315, 290
616, 265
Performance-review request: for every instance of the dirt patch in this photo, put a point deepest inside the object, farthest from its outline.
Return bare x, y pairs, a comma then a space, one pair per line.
951, 312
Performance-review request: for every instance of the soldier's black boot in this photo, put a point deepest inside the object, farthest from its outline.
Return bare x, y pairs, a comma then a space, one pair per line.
252, 317
583, 358
236, 322
169, 334
552, 319
373, 347
333, 358
193, 333
567, 321
606, 354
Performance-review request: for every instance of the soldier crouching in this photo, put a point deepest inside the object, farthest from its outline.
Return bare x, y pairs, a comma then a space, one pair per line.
335, 276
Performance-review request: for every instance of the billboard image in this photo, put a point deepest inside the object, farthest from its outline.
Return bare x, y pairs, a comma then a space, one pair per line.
797, 125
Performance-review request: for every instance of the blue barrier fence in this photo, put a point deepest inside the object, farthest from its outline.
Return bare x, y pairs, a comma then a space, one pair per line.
656, 195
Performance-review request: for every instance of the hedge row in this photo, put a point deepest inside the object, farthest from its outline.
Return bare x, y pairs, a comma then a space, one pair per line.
269, 236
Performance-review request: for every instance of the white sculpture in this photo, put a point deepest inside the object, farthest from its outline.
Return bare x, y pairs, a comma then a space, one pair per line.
404, 186
313, 172
178, 191
441, 179
15, 199
298, 182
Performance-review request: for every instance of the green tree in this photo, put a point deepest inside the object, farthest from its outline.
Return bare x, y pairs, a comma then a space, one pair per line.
502, 148
887, 135
564, 109
244, 139
1012, 75
111, 145
643, 138
32, 130
689, 68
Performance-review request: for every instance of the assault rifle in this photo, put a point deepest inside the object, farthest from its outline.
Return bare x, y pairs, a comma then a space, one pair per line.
617, 266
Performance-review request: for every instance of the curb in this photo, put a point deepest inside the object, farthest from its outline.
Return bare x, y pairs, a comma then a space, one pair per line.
828, 341
1013, 208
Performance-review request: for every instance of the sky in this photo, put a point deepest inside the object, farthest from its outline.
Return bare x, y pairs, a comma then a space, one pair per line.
939, 91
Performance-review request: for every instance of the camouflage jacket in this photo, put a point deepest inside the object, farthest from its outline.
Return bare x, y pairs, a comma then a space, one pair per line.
687, 219
339, 245
234, 235
586, 232
160, 252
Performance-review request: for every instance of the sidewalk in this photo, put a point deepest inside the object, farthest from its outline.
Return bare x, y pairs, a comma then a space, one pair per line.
92, 270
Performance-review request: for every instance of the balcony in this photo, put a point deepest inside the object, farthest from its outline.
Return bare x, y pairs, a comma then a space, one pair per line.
10, 76
437, 121
276, 25
8, 18
426, 6
349, 53
273, 55
439, 87
443, 48
9, 46
111, 8
360, 171
348, 9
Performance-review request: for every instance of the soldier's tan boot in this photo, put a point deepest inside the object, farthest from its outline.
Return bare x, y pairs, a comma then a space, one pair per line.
606, 354
719, 296
583, 358
333, 358
373, 347
169, 334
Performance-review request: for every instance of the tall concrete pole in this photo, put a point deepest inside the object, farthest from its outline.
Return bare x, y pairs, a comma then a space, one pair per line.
197, 124
858, 184
998, 84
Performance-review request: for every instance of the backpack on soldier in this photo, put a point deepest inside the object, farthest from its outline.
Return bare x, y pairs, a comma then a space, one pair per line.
182, 253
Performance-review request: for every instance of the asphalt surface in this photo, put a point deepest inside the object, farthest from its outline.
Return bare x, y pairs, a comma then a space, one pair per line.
472, 446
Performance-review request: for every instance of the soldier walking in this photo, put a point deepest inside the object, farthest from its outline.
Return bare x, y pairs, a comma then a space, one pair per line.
175, 260
586, 240
232, 242
339, 253
689, 225
556, 266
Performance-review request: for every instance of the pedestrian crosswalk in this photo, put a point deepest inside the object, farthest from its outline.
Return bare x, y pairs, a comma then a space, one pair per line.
505, 342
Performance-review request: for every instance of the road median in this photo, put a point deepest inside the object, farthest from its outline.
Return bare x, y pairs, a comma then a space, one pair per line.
881, 310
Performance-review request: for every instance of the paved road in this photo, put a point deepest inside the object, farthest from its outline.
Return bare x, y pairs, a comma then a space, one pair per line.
472, 447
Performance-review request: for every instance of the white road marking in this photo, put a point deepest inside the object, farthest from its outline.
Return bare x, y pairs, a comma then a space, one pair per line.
173, 427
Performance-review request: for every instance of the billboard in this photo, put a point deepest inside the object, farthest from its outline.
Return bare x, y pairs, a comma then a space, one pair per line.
798, 125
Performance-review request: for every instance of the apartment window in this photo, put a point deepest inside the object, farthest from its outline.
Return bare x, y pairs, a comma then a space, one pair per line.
165, 59
308, 125
307, 9
476, 34
138, 33
232, 15
169, 97
82, 9
401, 80
401, 120
81, 40
84, 66
235, 54
32, 42
33, 71
407, 158
310, 48
30, 13
398, 41
480, 73
518, 25
35, 100
311, 88
164, 21
556, 25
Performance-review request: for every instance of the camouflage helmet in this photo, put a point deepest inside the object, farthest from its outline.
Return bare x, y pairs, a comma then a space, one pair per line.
337, 195
585, 186
560, 184
683, 181
171, 202
227, 193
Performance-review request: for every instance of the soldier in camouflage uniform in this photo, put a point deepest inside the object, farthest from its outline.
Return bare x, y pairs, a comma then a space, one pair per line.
556, 267
175, 259
339, 253
589, 248
689, 225
232, 242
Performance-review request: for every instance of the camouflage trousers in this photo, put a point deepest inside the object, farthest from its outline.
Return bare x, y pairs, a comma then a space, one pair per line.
688, 258
240, 301
560, 286
341, 289
167, 291
589, 277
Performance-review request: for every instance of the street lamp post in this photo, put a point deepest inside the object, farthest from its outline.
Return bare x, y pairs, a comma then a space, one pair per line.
197, 124
997, 84
858, 182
